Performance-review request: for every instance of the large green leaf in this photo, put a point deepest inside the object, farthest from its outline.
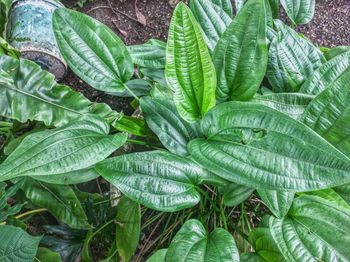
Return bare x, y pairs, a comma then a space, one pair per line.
189, 71
292, 104
278, 202
299, 11
156, 179
70, 178
292, 60
128, 227
234, 194
225, 5
332, 71
212, 19
158, 256
256, 146
29, 93
70, 148
329, 114
344, 192
240, 57
163, 119
193, 243
17, 245
315, 230
60, 200
92, 50
148, 55
333, 52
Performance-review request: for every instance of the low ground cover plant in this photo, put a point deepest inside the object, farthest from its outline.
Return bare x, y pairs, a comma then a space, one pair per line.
233, 107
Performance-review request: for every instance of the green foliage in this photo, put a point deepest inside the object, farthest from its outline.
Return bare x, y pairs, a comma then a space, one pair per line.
299, 11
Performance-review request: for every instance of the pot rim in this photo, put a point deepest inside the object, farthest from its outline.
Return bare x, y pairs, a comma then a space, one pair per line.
55, 3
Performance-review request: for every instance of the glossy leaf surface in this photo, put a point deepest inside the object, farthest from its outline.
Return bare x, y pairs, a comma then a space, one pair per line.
226, 5
240, 57
329, 73
70, 178
29, 93
299, 11
292, 60
163, 119
333, 52
259, 147
156, 179
234, 194
193, 243
92, 50
316, 229
189, 70
17, 245
70, 148
158, 256
129, 227
60, 200
278, 202
212, 19
148, 55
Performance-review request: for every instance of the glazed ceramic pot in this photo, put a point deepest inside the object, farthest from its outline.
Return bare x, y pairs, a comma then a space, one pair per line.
29, 29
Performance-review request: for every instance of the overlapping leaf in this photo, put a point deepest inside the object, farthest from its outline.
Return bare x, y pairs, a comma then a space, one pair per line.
189, 70
235, 194
226, 5
92, 50
278, 202
299, 11
240, 57
256, 146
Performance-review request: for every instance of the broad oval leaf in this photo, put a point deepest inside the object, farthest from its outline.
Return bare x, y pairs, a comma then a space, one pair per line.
148, 55
299, 11
234, 194
329, 114
292, 60
193, 243
278, 202
92, 50
315, 230
327, 74
273, 152
70, 148
128, 228
163, 119
212, 19
59, 200
189, 70
156, 179
240, 57
292, 104
17, 245
225, 5
29, 93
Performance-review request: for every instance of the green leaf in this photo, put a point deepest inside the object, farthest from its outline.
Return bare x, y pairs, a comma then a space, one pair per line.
299, 11
136, 87
333, 52
329, 114
239, 5
235, 194
274, 151
292, 104
70, 148
344, 192
17, 245
70, 178
163, 119
29, 93
278, 202
329, 194
45, 254
189, 70
329, 73
148, 55
193, 243
156, 179
60, 200
292, 60
158, 256
225, 5
275, 8
212, 19
132, 125
128, 227
315, 230
92, 50
240, 57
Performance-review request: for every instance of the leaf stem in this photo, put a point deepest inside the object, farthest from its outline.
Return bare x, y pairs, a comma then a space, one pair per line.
30, 212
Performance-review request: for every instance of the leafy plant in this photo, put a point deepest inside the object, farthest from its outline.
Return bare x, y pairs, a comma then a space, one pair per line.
247, 117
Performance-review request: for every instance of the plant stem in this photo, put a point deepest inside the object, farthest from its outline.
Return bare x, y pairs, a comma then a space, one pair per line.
30, 212
223, 217
5, 124
142, 143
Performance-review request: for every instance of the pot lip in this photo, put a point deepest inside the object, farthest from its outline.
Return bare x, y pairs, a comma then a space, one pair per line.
55, 3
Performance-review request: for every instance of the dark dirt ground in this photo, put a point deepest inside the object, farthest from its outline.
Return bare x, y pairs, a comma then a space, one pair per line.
329, 28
